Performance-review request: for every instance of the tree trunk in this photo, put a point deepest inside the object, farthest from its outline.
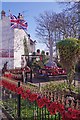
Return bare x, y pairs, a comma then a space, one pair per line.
51, 52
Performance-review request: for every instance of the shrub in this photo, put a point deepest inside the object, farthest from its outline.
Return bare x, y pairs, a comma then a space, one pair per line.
69, 51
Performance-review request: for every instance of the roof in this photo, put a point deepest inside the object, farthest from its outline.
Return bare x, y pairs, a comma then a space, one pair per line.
2, 12
32, 42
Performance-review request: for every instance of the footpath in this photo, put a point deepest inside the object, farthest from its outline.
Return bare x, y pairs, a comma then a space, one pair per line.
2, 115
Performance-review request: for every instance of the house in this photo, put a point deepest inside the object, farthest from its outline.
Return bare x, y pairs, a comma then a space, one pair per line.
6, 42
19, 35
11, 43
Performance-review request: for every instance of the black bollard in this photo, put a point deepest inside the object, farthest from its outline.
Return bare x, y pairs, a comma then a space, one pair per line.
26, 79
19, 104
31, 75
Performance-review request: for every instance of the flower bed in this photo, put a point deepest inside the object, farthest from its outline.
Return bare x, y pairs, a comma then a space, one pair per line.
62, 87
16, 75
42, 101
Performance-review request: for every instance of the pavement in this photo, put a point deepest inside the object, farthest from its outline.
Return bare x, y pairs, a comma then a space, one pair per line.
2, 115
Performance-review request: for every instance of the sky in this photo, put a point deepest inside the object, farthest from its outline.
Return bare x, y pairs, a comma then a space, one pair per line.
30, 10
31, 0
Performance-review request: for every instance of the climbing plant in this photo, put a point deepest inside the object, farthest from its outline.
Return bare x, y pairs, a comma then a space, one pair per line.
25, 44
69, 51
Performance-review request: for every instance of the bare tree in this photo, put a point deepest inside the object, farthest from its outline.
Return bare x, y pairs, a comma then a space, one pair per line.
73, 13
45, 30
66, 25
56, 26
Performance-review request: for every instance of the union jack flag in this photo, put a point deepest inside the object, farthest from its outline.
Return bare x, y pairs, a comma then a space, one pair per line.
18, 22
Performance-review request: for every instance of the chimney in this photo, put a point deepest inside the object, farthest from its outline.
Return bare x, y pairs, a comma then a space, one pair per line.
3, 14
29, 36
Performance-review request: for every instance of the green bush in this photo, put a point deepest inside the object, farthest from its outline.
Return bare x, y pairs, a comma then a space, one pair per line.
69, 51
